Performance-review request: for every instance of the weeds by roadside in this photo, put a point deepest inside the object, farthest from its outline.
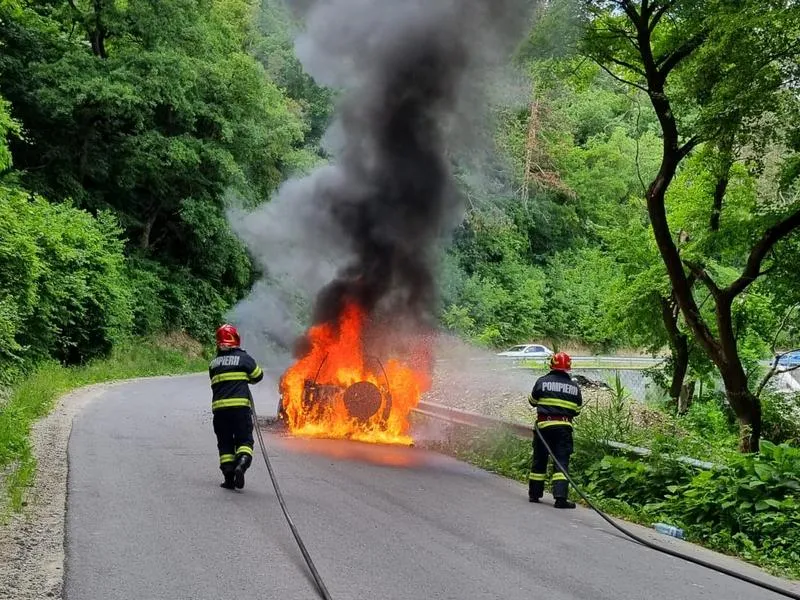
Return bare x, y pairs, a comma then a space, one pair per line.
34, 396
748, 506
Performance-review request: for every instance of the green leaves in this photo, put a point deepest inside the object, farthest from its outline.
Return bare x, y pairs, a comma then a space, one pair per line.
176, 114
494, 296
750, 507
7, 127
64, 291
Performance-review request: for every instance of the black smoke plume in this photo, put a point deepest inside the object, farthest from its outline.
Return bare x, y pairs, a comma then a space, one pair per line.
369, 226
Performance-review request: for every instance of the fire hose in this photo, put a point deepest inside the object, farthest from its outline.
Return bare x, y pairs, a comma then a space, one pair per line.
651, 545
325, 595
321, 588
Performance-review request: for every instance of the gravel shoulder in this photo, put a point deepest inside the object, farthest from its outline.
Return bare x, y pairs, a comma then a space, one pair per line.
32, 542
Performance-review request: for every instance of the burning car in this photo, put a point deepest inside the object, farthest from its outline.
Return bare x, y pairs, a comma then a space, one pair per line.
338, 390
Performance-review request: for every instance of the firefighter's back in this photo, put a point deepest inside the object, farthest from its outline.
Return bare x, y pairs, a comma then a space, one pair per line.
231, 372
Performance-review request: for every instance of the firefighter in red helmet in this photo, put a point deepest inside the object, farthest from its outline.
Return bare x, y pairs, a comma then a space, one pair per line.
231, 372
557, 400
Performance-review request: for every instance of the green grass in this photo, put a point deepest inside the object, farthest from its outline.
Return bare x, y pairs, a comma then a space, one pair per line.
36, 395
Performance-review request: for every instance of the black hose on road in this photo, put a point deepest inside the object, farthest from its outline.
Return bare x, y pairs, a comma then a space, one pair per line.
652, 546
321, 588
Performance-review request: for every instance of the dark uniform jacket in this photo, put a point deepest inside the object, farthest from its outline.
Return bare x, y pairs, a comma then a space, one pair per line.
231, 373
556, 395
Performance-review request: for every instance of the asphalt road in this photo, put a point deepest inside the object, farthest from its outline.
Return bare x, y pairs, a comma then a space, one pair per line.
147, 520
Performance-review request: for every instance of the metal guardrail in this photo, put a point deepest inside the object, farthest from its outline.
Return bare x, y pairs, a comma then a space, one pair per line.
523, 430
478, 421
463, 417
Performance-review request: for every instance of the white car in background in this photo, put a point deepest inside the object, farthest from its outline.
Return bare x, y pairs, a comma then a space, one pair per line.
527, 351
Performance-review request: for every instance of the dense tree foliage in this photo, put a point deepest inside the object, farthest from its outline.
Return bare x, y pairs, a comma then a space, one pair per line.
660, 146
141, 120
721, 79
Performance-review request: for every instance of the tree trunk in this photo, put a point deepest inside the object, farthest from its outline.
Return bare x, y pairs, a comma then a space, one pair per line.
723, 177
679, 346
685, 397
680, 360
144, 240
723, 351
743, 402
716, 209
97, 35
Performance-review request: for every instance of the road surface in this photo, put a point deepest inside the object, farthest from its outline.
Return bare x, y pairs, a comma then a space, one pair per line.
147, 520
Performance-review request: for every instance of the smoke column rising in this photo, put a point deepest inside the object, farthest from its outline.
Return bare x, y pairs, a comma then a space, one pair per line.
368, 226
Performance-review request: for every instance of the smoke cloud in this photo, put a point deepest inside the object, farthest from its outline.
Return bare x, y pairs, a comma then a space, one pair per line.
368, 227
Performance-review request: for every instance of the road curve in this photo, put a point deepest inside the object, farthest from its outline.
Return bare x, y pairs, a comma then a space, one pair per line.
146, 520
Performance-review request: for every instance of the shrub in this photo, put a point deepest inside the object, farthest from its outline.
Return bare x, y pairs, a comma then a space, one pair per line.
634, 481
750, 507
149, 310
63, 289
780, 421
173, 299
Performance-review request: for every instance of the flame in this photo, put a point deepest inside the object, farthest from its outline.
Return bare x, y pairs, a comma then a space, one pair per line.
337, 358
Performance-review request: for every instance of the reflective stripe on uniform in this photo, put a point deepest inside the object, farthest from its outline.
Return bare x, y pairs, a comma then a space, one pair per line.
256, 372
244, 450
559, 403
229, 377
230, 403
537, 476
559, 476
543, 424
226, 458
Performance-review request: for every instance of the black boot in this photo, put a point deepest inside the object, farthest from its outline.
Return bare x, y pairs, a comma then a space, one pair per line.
228, 484
564, 503
238, 473
535, 490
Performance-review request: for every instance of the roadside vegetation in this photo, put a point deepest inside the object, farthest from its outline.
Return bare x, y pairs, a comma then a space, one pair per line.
746, 505
655, 194
35, 395
126, 129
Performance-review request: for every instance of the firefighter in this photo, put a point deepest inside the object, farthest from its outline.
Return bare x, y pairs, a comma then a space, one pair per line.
557, 400
232, 371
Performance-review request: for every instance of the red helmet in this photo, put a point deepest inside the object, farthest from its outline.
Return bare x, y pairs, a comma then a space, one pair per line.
227, 336
560, 361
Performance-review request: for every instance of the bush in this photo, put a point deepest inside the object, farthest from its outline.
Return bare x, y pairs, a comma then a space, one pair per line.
780, 418
150, 312
491, 293
751, 507
634, 481
578, 284
63, 289
711, 418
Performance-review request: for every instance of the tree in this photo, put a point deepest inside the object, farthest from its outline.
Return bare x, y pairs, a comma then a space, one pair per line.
716, 73
157, 112
275, 50
494, 295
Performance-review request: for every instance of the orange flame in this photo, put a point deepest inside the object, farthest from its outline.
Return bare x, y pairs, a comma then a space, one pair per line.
337, 359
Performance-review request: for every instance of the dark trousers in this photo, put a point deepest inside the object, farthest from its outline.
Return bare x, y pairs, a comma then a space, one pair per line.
559, 438
234, 430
